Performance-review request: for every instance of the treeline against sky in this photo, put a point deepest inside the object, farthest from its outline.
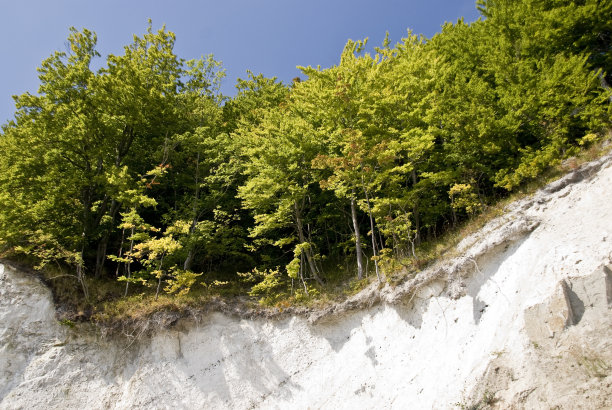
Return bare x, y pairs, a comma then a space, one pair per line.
141, 170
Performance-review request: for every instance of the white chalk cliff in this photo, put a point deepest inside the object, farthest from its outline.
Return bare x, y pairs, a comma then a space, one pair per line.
520, 318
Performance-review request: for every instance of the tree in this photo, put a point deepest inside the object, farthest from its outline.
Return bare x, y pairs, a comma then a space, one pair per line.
87, 136
280, 182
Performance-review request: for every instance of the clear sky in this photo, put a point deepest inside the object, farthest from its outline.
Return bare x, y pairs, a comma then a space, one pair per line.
266, 36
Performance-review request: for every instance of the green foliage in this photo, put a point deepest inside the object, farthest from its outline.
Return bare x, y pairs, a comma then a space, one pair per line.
67, 322
269, 287
77, 153
141, 171
305, 295
180, 281
462, 196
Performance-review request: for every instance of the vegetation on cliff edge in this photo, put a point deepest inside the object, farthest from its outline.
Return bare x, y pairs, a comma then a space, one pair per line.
140, 179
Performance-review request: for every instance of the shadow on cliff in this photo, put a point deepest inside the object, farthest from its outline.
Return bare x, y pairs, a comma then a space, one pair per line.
338, 330
483, 271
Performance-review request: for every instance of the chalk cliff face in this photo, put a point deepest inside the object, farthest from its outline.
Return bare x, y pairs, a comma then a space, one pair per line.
521, 318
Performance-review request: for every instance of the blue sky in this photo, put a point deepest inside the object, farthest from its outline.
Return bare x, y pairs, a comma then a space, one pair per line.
266, 36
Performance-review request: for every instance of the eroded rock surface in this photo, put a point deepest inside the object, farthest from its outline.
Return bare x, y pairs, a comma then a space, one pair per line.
569, 362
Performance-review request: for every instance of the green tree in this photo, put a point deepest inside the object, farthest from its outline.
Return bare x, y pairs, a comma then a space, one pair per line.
280, 183
69, 145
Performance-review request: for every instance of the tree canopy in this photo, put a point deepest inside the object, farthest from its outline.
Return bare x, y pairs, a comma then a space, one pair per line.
142, 171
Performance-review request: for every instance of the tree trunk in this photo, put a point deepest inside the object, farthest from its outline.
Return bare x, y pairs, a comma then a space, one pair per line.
129, 264
365, 191
159, 280
412, 242
81, 278
309, 255
81, 273
189, 259
120, 252
357, 238
415, 212
103, 244
302, 273
101, 256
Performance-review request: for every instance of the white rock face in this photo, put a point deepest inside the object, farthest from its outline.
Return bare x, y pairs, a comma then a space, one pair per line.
447, 344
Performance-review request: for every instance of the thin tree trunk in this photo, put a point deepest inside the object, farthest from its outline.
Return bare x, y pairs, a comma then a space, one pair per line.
380, 238
189, 259
161, 261
412, 241
357, 237
86, 195
129, 264
415, 212
394, 235
81, 278
309, 256
318, 265
80, 273
120, 251
373, 233
302, 273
